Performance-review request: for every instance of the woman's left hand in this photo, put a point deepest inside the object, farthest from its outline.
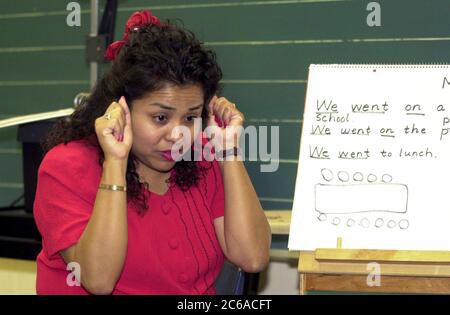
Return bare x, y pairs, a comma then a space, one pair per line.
225, 120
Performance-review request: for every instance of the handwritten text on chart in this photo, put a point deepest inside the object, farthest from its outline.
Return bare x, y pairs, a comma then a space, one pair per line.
328, 112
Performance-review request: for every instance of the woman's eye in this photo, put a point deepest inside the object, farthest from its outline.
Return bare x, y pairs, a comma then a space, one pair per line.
159, 118
191, 118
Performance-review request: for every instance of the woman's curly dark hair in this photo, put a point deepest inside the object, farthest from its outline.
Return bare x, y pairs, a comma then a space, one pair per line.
152, 57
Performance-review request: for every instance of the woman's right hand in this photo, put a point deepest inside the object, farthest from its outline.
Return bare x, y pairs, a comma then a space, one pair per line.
114, 131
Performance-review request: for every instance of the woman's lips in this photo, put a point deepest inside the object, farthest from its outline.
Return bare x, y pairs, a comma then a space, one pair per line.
167, 155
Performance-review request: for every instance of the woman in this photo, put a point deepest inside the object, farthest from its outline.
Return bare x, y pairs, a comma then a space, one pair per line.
116, 212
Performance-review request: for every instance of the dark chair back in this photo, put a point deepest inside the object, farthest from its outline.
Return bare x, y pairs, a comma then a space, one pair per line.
234, 281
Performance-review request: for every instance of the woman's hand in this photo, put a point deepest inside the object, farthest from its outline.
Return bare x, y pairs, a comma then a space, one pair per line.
225, 121
114, 131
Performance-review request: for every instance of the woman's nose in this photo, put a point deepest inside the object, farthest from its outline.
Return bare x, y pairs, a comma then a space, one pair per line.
176, 132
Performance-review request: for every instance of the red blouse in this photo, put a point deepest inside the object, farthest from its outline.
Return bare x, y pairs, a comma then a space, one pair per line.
172, 249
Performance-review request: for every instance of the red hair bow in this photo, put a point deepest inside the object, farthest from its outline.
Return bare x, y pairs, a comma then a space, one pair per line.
136, 20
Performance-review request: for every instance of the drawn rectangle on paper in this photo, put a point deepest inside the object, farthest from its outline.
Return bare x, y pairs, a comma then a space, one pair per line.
355, 198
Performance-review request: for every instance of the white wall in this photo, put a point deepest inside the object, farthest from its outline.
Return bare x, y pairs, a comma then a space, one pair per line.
281, 277
17, 276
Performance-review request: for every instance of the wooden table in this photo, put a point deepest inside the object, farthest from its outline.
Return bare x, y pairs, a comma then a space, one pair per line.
279, 221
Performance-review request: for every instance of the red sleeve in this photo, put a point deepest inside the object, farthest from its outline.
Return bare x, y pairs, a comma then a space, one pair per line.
64, 201
218, 196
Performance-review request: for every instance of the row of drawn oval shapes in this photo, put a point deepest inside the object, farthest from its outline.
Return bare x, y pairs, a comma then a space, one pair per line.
364, 222
344, 176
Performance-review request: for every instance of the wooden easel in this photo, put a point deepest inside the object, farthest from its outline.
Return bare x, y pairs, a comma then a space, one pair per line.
402, 271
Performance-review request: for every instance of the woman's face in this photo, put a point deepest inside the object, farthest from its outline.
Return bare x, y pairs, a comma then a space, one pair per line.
154, 116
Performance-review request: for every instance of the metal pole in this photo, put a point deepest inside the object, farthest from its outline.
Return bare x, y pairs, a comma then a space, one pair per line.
94, 31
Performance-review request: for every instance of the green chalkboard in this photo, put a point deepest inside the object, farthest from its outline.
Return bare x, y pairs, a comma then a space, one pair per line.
264, 47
